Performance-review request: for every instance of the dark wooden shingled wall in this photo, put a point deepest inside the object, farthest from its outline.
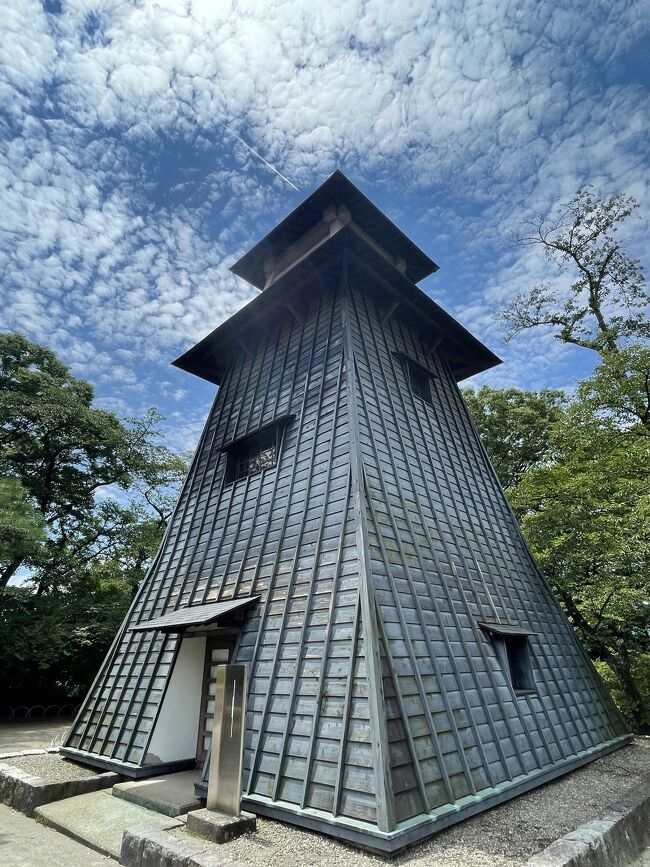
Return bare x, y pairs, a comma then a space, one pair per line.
288, 535
378, 544
445, 554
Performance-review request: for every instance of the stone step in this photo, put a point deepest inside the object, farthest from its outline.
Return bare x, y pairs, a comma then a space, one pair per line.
99, 820
170, 794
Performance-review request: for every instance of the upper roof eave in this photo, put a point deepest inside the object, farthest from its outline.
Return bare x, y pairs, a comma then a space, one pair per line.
207, 358
336, 190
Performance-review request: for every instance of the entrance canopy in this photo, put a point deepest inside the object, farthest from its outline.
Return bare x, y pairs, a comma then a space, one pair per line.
194, 615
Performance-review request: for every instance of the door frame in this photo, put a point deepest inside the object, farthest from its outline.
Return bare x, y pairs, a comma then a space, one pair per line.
216, 640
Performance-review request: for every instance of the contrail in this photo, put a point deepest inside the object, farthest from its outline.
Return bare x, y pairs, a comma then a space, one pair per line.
259, 156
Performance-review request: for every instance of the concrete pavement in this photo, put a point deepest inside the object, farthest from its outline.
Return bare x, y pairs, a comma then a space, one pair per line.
99, 820
35, 735
171, 795
25, 843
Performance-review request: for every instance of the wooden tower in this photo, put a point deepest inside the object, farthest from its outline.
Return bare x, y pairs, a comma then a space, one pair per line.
342, 532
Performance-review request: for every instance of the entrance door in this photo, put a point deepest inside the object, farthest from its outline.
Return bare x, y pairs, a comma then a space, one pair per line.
217, 652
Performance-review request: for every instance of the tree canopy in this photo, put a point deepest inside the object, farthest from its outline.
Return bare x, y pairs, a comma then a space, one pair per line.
585, 515
514, 426
84, 500
577, 470
22, 526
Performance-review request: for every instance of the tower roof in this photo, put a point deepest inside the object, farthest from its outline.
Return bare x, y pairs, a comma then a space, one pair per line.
336, 191
335, 218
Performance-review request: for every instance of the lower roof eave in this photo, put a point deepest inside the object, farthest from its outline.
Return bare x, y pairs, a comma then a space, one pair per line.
367, 836
208, 359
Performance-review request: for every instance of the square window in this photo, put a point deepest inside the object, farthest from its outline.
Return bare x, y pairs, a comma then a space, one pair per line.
254, 453
420, 382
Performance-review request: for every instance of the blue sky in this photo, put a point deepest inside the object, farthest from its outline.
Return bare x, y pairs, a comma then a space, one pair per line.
129, 180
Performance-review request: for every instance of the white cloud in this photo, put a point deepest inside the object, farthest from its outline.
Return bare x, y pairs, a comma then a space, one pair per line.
124, 190
28, 55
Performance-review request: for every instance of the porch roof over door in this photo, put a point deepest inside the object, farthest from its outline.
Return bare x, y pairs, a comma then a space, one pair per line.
194, 615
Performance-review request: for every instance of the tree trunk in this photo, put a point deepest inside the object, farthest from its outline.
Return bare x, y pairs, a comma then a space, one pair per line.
616, 655
619, 662
10, 571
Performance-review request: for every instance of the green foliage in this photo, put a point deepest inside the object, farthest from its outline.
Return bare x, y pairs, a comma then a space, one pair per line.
620, 388
586, 517
84, 500
53, 439
52, 646
641, 674
22, 527
514, 426
584, 504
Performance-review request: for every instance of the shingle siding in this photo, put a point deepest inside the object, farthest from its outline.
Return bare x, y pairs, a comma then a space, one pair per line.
446, 554
377, 545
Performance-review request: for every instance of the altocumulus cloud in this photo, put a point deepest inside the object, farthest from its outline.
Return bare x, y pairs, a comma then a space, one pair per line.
129, 175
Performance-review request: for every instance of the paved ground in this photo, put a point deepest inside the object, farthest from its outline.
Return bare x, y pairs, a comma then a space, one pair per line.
30, 735
171, 794
25, 843
101, 819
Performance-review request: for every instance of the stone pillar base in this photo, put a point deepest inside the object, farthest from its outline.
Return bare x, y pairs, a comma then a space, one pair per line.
218, 828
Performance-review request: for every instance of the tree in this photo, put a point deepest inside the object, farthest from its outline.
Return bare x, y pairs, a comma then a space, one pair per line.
606, 304
22, 527
52, 645
585, 515
514, 426
620, 387
84, 500
584, 510
60, 447
64, 451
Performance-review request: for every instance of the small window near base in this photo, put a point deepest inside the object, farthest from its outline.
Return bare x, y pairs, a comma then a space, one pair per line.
514, 654
512, 645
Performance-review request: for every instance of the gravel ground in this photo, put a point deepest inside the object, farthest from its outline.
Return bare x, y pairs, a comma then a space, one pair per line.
505, 836
50, 767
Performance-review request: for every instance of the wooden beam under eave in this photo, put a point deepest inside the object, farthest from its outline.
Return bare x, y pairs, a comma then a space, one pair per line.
389, 314
435, 345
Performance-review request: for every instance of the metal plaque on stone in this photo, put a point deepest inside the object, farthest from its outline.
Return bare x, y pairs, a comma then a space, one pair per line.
226, 754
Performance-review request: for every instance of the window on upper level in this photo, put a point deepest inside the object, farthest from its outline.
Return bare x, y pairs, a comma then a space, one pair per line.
419, 381
418, 377
256, 452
